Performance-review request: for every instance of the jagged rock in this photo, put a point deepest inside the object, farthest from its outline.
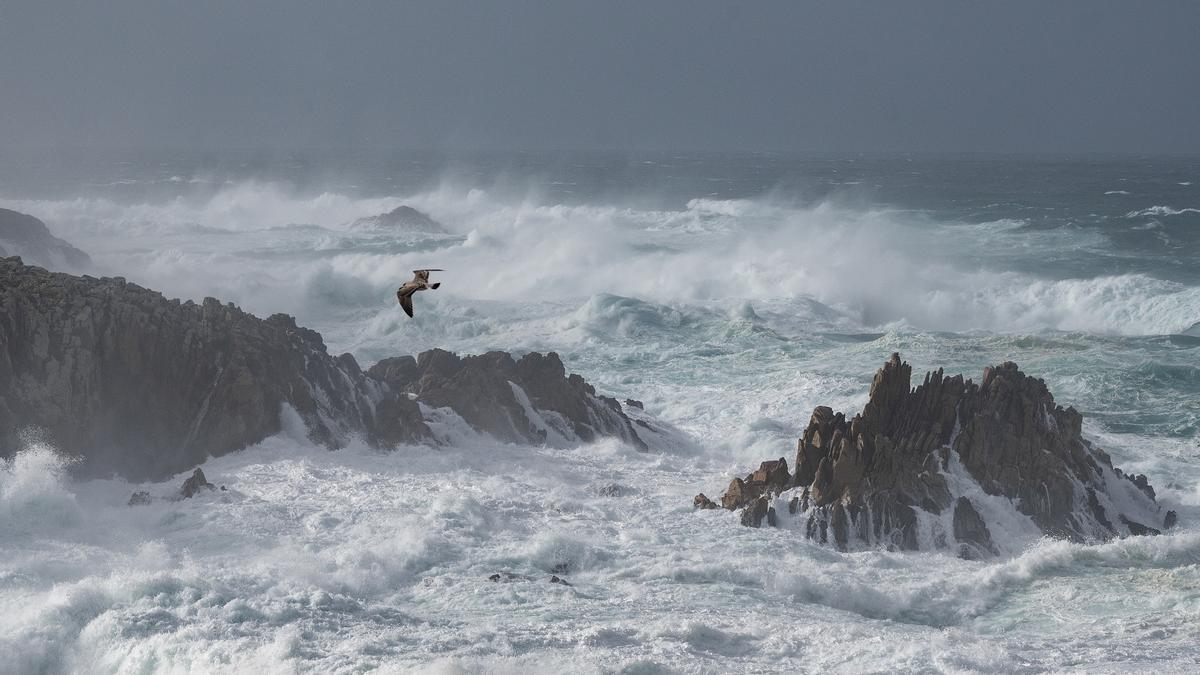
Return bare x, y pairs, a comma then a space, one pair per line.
863, 481
139, 498
771, 477
404, 218
530, 400
974, 538
703, 502
25, 236
146, 387
554, 579
194, 484
757, 511
632, 403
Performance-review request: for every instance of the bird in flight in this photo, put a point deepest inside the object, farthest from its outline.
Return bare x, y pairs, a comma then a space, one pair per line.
420, 282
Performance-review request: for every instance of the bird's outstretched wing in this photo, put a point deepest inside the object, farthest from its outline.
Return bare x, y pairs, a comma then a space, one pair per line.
404, 296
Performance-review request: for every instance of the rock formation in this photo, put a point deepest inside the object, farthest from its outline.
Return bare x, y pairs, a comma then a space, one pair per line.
144, 387
919, 468
403, 218
26, 236
526, 400
194, 484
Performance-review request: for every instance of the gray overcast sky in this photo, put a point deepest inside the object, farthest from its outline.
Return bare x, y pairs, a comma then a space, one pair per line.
1094, 76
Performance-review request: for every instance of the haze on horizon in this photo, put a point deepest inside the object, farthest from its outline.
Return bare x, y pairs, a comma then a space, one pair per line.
928, 76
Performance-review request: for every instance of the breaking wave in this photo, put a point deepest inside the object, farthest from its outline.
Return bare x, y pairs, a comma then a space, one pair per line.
270, 249
1160, 211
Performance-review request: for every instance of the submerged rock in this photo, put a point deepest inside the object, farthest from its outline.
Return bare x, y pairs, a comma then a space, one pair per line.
404, 218
613, 490
139, 498
25, 236
508, 577
892, 475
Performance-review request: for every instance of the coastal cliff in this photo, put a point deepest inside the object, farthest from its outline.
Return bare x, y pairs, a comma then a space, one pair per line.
25, 236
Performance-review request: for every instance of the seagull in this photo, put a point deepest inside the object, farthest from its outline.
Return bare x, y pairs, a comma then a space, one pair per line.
420, 282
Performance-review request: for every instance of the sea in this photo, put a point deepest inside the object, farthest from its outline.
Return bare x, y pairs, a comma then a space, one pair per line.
730, 294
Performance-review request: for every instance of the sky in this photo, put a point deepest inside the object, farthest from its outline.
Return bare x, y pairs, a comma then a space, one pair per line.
849, 76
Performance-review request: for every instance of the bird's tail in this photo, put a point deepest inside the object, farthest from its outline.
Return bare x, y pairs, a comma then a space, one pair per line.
434, 286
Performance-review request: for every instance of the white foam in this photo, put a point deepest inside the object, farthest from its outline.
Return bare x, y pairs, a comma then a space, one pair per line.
878, 267
1161, 211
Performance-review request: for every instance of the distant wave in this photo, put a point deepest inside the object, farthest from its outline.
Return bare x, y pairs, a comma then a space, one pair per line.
1117, 192
1160, 211
269, 248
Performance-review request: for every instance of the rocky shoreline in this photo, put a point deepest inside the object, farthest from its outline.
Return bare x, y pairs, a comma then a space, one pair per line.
144, 387
919, 468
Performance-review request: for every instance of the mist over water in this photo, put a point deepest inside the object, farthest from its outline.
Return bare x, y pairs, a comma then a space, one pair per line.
731, 294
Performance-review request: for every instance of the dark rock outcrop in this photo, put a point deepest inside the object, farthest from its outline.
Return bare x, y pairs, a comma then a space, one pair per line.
526, 400
701, 501
972, 534
893, 474
194, 484
145, 387
140, 498
141, 386
25, 236
404, 218
508, 577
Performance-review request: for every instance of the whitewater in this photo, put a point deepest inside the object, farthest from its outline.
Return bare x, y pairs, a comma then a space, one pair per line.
730, 295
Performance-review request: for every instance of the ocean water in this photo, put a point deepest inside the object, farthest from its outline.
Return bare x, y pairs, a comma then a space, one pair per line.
731, 294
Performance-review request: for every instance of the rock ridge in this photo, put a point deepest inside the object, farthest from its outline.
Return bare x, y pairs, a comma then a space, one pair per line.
144, 387
920, 468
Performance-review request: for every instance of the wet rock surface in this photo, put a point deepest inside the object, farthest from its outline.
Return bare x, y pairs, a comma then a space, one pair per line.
194, 484
903, 461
